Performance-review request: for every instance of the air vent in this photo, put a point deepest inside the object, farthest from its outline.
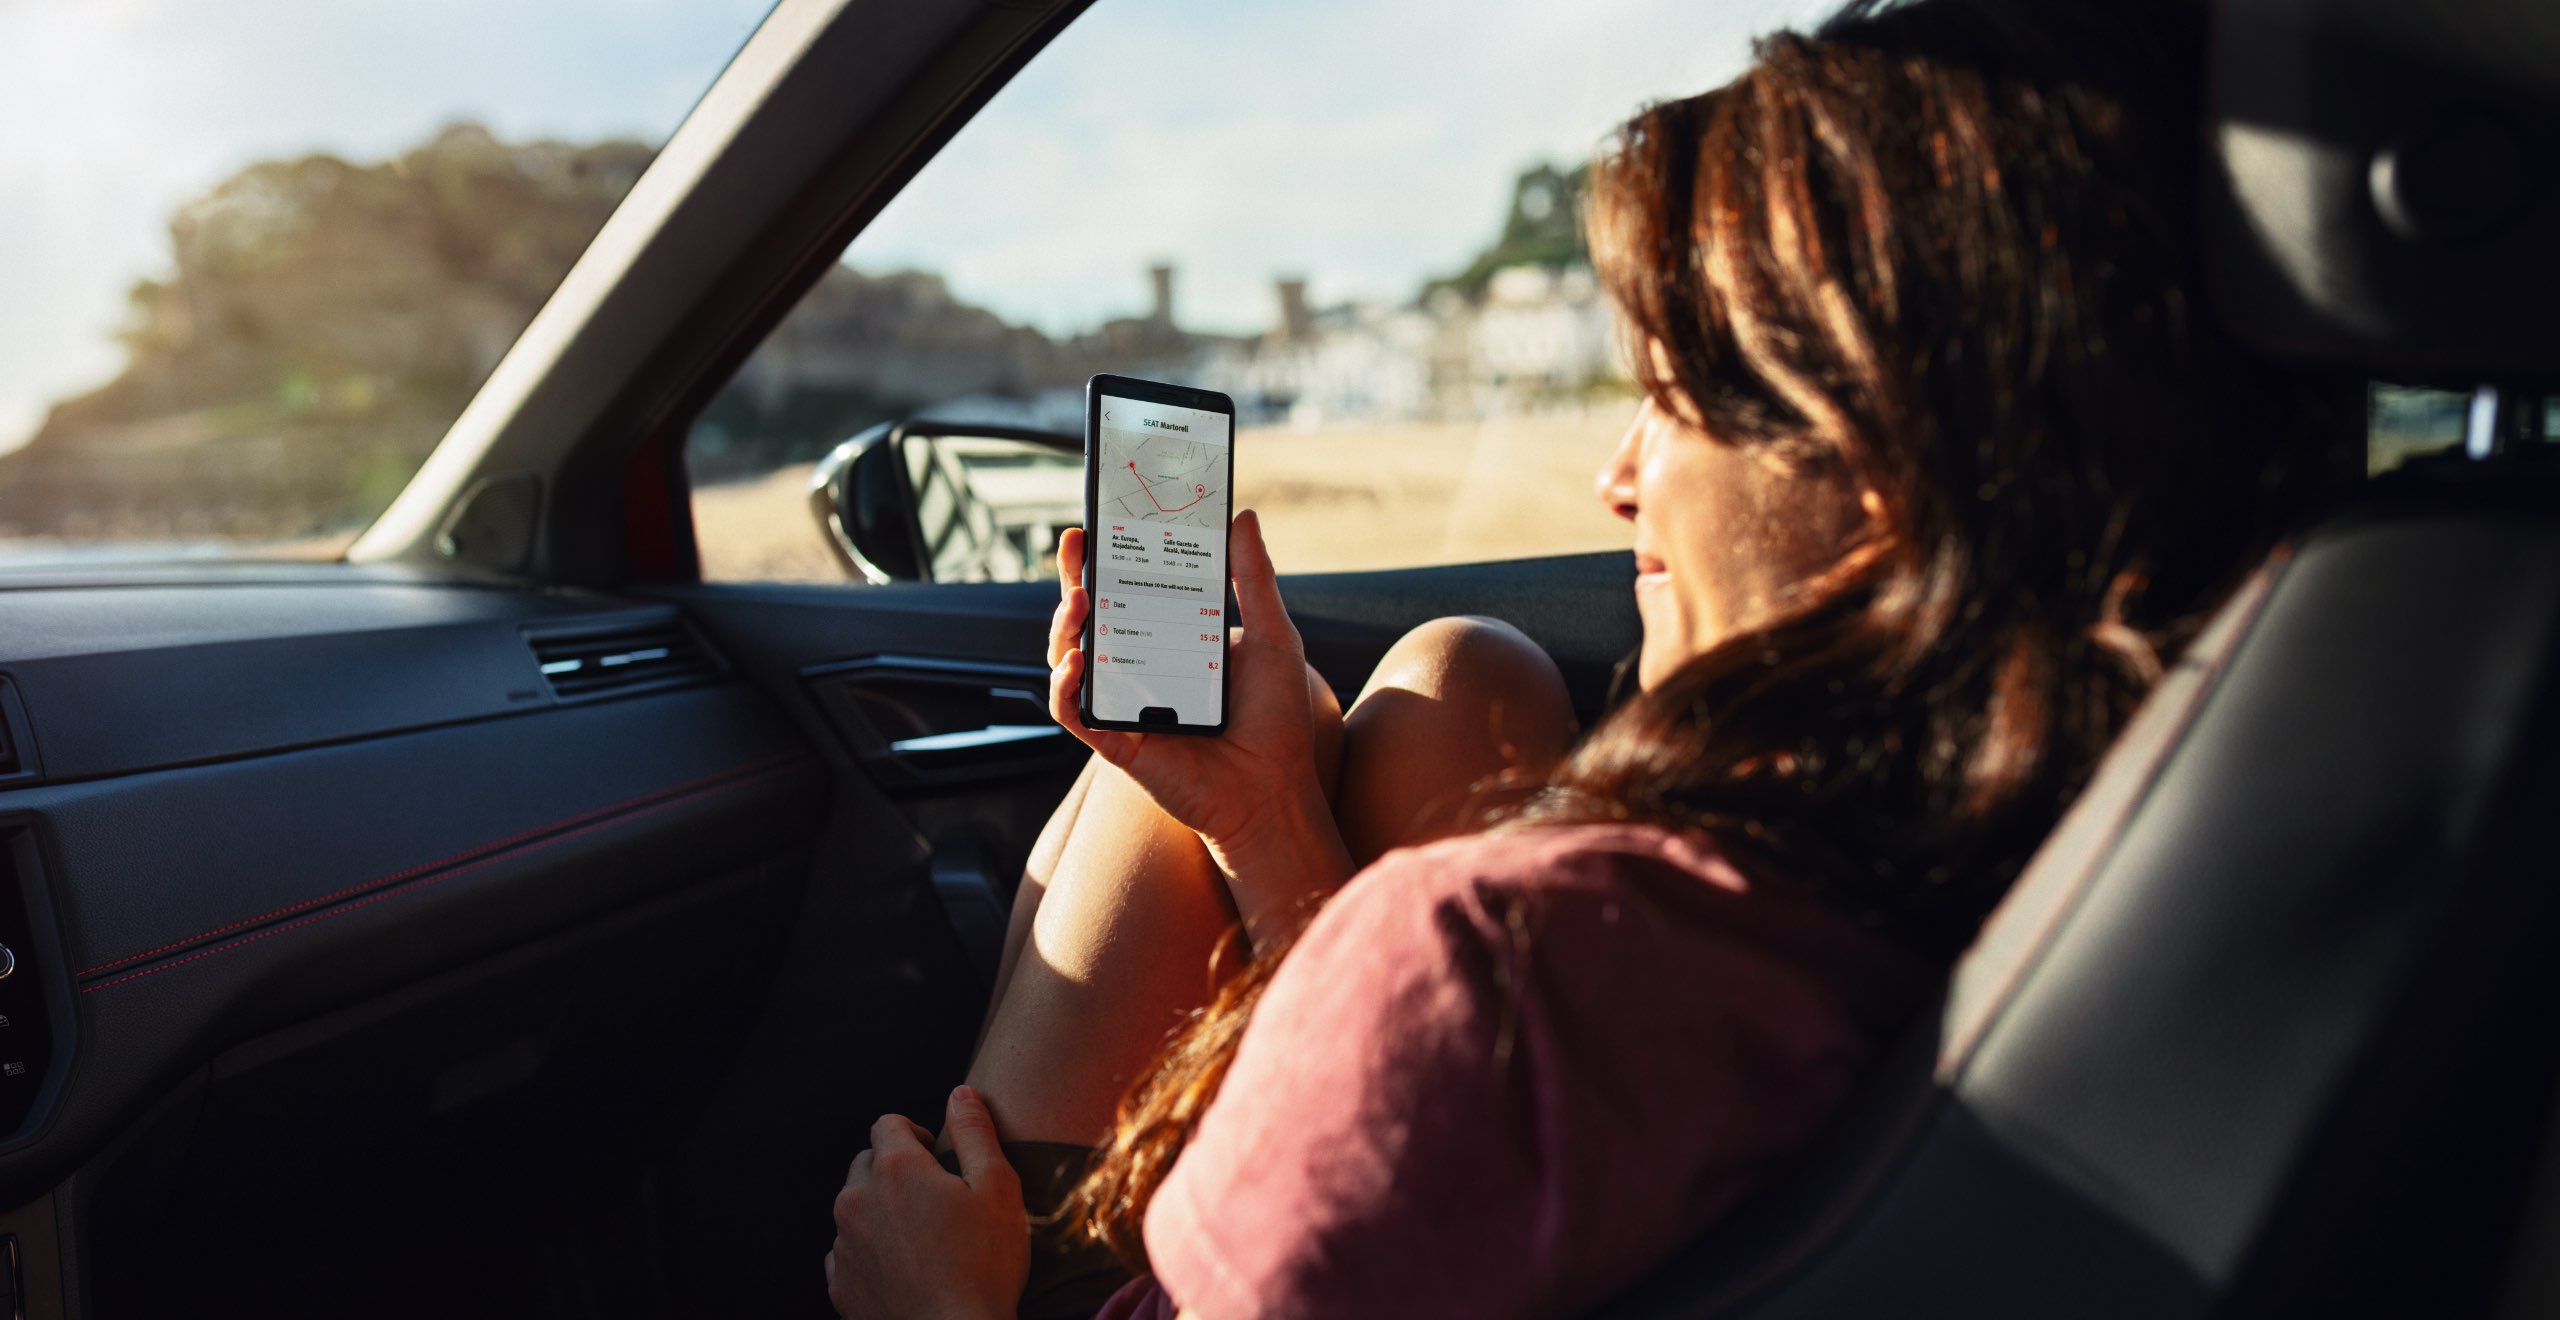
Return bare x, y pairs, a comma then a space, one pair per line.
625, 655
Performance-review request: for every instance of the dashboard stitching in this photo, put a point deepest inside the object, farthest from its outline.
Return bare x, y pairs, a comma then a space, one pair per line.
424, 867
492, 853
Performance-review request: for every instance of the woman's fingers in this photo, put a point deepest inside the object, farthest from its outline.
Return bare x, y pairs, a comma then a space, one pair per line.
973, 1138
897, 1135
1257, 582
1066, 682
1062, 693
1070, 558
1066, 625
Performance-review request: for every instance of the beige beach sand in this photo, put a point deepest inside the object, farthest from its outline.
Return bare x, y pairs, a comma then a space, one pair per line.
1332, 499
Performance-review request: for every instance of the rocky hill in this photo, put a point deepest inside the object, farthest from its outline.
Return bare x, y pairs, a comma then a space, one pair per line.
323, 322
861, 348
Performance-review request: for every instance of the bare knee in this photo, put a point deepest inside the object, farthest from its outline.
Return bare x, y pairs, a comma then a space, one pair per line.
1480, 678
1467, 652
1455, 703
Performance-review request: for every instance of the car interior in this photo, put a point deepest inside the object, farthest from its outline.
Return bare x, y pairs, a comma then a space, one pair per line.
509, 922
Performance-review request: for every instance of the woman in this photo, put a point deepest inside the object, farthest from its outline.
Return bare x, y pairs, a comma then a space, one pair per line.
1937, 467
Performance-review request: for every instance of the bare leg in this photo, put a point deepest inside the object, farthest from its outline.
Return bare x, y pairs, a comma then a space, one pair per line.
1121, 935
1106, 951
1046, 852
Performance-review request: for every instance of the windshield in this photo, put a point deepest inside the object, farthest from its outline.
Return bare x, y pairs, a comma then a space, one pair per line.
259, 255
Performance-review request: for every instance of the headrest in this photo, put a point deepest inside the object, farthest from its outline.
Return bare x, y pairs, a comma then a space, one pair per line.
2387, 190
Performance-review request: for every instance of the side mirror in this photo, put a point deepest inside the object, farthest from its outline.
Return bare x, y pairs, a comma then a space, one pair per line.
920, 501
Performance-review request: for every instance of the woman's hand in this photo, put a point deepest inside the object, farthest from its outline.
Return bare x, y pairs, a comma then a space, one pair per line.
1251, 793
915, 1243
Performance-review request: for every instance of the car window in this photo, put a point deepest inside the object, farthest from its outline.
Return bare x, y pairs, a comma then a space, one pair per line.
1360, 218
258, 255
2403, 422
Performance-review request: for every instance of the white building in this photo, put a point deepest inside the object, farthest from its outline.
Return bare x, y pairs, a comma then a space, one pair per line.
1541, 337
1537, 339
1355, 362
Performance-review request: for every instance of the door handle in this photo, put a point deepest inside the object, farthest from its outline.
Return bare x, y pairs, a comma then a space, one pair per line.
1013, 700
920, 720
965, 740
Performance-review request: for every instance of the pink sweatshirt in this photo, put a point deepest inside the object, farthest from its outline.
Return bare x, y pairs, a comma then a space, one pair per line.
1505, 1075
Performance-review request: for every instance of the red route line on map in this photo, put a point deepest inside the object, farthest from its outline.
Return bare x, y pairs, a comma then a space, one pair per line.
1151, 492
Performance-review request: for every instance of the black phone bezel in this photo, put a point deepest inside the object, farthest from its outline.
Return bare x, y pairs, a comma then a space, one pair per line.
1180, 396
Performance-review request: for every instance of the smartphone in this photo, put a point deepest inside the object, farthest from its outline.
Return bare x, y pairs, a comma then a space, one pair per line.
1159, 482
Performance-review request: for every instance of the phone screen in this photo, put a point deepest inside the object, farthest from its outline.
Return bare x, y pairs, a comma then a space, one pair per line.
1157, 544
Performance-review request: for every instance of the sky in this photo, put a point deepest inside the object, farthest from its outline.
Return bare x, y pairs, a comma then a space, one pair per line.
1362, 144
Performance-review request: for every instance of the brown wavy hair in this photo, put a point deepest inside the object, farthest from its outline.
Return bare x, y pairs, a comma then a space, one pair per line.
1947, 250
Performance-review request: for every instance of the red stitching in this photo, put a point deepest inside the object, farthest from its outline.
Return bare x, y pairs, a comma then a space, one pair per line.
484, 853
404, 873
